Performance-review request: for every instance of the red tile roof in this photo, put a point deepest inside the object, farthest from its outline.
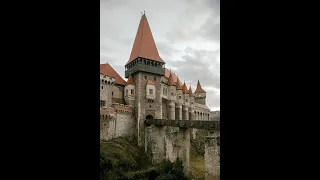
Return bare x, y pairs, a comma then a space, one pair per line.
130, 80
106, 69
199, 88
170, 80
144, 45
174, 76
178, 84
184, 88
190, 92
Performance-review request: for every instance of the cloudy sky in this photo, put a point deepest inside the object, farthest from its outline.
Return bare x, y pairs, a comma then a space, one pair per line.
186, 32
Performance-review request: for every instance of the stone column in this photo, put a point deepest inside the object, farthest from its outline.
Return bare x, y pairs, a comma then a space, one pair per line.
171, 110
180, 112
185, 113
212, 157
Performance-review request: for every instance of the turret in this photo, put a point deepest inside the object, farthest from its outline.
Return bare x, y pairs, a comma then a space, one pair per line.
179, 92
200, 95
172, 88
129, 91
106, 83
191, 97
185, 94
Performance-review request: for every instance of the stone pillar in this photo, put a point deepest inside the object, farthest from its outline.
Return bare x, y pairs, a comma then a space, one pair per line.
186, 159
171, 110
180, 112
212, 157
185, 113
155, 144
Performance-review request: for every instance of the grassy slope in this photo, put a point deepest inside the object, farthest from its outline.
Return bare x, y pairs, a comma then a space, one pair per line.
197, 168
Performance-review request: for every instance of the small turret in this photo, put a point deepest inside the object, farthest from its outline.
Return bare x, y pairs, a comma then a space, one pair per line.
185, 94
200, 95
172, 88
129, 91
191, 97
179, 92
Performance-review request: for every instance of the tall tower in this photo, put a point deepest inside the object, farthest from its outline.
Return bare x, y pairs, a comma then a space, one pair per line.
146, 68
200, 95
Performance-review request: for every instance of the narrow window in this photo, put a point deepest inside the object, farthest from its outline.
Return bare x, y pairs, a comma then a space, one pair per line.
131, 91
186, 100
150, 91
145, 77
155, 79
127, 92
101, 87
179, 97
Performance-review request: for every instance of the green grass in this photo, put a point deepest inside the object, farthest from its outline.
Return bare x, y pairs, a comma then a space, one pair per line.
197, 168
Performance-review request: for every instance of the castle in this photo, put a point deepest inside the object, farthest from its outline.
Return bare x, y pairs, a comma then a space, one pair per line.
150, 92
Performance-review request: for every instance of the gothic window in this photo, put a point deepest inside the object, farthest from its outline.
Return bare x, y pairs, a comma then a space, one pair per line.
131, 91
150, 91
127, 92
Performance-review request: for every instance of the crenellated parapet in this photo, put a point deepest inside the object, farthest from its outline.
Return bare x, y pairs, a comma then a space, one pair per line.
107, 80
121, 108
107, 113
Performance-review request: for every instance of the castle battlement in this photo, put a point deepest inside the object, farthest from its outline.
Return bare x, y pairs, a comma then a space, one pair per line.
122, 108
107, 112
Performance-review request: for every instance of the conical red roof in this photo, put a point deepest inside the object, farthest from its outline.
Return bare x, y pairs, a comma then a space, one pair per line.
144, 45
170, 80
178, 85
199, 88
106, 69
184, 88
130, 80
190, 92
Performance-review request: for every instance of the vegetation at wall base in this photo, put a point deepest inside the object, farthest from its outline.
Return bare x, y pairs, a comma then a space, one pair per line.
121, 158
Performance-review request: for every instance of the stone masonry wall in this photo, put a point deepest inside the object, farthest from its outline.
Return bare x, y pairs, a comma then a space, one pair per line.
212, 158
116, 121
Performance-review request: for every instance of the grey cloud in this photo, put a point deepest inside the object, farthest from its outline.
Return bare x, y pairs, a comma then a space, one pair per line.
195, 65
172, 23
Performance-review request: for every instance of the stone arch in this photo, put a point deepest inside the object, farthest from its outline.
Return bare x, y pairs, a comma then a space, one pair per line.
148, 117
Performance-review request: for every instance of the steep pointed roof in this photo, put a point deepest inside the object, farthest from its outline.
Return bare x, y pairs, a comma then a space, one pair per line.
170, 80
178, 84
190, 92
130, 80
199, 88
184, 88
167, 73
106, 69
144, 45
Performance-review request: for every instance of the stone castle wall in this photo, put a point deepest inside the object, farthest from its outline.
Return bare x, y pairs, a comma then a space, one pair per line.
116, 121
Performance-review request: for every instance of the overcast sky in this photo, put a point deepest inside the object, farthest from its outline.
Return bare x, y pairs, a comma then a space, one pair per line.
186, 32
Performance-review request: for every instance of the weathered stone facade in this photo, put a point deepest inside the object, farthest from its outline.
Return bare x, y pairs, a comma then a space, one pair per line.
150, 93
